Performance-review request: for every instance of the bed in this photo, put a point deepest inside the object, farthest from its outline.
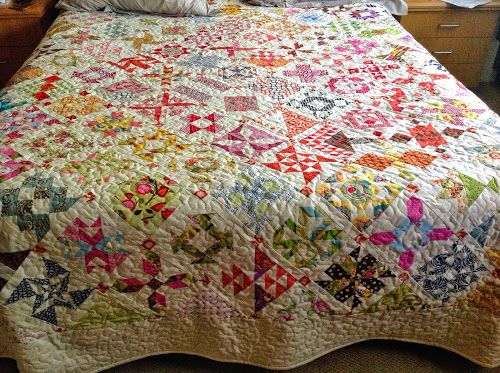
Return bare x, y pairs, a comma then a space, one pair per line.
263, 186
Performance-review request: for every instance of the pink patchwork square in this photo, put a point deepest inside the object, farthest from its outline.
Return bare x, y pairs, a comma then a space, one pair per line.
241, 103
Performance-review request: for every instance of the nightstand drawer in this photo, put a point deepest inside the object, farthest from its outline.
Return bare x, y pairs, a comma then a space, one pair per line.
11, 59
20, 32
14, 55
467, 73
450, 23
457, 50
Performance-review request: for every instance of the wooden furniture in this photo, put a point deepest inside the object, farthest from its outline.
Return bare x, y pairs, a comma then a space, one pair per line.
459, 38
20, 33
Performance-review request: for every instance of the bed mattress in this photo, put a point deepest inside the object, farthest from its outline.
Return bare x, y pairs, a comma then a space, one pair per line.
264, 186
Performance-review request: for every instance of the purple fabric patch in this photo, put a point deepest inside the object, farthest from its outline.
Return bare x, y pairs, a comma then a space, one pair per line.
415, 209
382, 238
441, 234
406, 259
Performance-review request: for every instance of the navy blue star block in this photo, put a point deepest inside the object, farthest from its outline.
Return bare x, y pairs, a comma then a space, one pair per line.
50, 292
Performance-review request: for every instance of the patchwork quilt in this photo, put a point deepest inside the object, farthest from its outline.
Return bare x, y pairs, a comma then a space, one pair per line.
264, 186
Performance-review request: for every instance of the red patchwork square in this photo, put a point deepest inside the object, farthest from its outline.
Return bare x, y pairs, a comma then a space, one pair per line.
41, 96
52, 79
48, 86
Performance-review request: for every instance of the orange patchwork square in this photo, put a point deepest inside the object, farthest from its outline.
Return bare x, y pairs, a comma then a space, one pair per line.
417, 158
375, 161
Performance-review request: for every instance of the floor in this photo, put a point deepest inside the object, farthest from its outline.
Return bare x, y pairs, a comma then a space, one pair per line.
490, 94
372, 356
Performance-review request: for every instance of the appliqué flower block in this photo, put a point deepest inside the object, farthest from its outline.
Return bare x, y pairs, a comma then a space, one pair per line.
360, 195
113, 124
146, 201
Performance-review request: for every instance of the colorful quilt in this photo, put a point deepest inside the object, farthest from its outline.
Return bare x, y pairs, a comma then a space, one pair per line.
264, 186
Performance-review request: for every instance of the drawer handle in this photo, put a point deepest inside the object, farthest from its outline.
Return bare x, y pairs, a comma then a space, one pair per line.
3, 62
442, 52
449, 25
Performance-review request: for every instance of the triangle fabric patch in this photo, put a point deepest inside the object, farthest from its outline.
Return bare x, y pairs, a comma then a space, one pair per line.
14, 260
53, 269
262, 263
296, 123
262, 298
23, 290
473, 188
48, 315
493, 185
480, 233
104, 313
340, 140
79, 296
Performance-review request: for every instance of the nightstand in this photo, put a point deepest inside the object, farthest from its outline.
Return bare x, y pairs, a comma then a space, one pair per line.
459, 38
20, 33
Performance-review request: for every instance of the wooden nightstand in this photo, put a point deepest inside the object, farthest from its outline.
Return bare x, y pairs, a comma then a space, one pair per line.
20, 33
459, 38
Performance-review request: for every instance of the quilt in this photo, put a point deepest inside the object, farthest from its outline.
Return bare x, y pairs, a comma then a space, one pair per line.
264, 186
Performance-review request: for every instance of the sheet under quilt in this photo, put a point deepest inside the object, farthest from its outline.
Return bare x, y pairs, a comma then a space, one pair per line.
264, 186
